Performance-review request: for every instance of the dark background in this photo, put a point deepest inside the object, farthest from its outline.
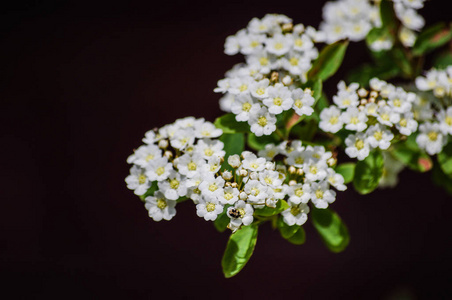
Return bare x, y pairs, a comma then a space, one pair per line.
81, 82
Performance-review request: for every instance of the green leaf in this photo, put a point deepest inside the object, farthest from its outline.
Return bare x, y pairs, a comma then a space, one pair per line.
229, 124
329, 225
388, 16
431, 38
399, 57
347, 170
328, 62
299, 237
150, 191
445, 159
412, 157
222, 220
305, 131
378, 33
259, 142
368, 173
442, 60
234, 143
239, 249
286, 231
271, 211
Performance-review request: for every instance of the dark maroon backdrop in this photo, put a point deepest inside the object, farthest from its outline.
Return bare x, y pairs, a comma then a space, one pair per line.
81, 82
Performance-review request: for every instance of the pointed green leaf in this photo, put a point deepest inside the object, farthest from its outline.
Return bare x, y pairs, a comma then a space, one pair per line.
271, 211
229, 124
239, 249
328, 62
347, 170
329, 225
442, 60
387, 15
368, 173
286, 231
412, 157
431, 38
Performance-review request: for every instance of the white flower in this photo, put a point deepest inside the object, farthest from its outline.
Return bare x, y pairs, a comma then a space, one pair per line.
226, 102
336, 180
209, 148
407, 125
345, 99
321, 195
144, 155
207, 130
212, 187
251, 43
379, 136
213, 164
400, 101
297, 158
330, 119
230, 195
174, 187
357, 146
234, 161
240, 213
297, 214
315, 170
262, 123
358, 30
296, 63
391, 169
137, 181
302, 102
159, 207
299, 193
182, 138
279, 44
259, 89
354, 119
383, 43
209, 208
269, 152
430, 138
159, 169
445, 120
270, 178
190, 165
279, 99
256, 191
231, 46
409, 17
253, 163
387, 116
407, 36
243, 107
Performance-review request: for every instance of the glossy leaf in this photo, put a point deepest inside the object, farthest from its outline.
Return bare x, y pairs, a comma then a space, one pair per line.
229, 124
347, 170
368, 173
412, 157
329, 225
239, 249
286, 231
387, 15
329, 61
442, 60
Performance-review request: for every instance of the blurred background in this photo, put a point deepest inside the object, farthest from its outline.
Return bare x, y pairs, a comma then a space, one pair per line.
80, 84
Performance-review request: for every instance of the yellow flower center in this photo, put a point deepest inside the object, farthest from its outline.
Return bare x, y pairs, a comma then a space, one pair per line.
161, 203
293, 61
334, 120
403, 122
432, 135
299, 192
277, 101
278, 46
263, 61
191, 166
378, 135
160, 171
397, 102
313, 169
354, 120
210, 207
448, 121
359, 144
208, 152
319, 194
262, 121
259, 91
213, 187
243, 87
149, 157
228, 196
141, 179
299, 160
298, 103
298, 42
295, 210
174, 183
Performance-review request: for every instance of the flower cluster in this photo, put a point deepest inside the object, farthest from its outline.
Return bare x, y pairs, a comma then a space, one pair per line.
278, 56
437, 114
171, 161
376, 116
353, 19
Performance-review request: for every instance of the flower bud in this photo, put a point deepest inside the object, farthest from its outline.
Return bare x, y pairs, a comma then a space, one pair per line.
374, 94
363, 101
243, 173
292, 170
234, 185
269, 165
163, 144
287, 27
300, 172
331, 161
287, 80
234, 161
292, 182
362, 92
274, 77
243, 196
254, 176
227, 184
227, 175
168, 154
